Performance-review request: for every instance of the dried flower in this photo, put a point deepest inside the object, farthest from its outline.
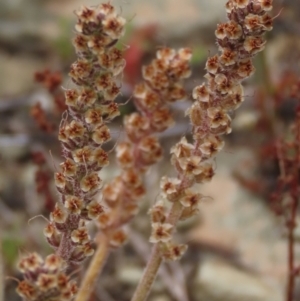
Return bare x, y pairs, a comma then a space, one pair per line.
200, 93
69, 167
49, 230
91, 105
101, 134
212, 64
254, 44
158, 213
83, 130
58, 215
83, 155
191, 198
266, 5
239, 40
161, 232
90, 182
53, 262
94, 209
44, 279
27, 290
73, 204
60, 180
94, 116
80, 236
191, 165
233, 30
173, 252
220, 31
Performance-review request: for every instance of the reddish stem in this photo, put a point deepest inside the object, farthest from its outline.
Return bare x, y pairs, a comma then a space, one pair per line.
292, 222
291, 254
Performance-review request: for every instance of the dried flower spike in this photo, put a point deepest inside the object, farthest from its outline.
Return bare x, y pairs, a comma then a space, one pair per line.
239, 39
90, 106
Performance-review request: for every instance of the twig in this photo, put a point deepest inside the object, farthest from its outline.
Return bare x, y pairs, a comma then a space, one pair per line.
1, 271
155, 260
291, 223
175, 281
94, 269
291, 253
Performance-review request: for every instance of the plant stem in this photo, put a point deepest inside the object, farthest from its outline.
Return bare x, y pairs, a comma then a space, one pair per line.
291, 255
292, 220
2, 281
149, 275
155, 260
94, 269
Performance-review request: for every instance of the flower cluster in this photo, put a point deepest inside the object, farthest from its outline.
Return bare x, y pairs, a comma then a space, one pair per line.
90, 106
239, 39
44, 278
83, 130
162, 86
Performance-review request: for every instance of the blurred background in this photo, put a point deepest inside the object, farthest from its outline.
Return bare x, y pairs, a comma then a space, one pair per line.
238, 245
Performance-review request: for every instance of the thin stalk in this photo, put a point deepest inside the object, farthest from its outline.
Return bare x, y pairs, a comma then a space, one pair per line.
291, 253
149, 275
94, 269
1, 270
155, 260
292, 221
